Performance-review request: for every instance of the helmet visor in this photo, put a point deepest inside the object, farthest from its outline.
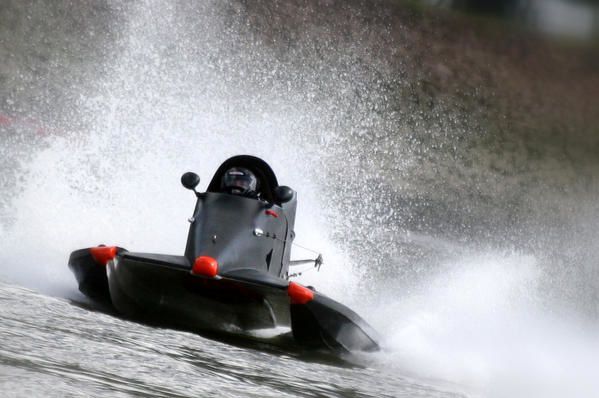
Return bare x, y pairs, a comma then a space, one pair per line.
240, 179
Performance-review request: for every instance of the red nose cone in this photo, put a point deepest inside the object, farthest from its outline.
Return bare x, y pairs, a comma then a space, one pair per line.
103, 254
206, 266
299, 294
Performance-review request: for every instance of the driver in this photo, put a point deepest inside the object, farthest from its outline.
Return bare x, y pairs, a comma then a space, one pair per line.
240, 181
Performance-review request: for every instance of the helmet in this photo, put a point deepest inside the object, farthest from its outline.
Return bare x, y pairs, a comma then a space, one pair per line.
239, 180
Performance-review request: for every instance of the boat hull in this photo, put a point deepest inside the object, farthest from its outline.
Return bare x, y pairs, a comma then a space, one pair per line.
162, 290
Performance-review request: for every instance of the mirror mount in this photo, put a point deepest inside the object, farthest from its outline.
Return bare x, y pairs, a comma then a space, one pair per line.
190, 180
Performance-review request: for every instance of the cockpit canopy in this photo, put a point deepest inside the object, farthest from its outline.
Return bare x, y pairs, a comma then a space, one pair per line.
267, 181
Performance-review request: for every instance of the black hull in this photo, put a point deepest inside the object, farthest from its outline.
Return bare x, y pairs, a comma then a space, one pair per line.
171, 295
161, 290
90, 276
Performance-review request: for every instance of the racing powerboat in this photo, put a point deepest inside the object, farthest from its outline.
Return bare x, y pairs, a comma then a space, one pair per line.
233, 276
